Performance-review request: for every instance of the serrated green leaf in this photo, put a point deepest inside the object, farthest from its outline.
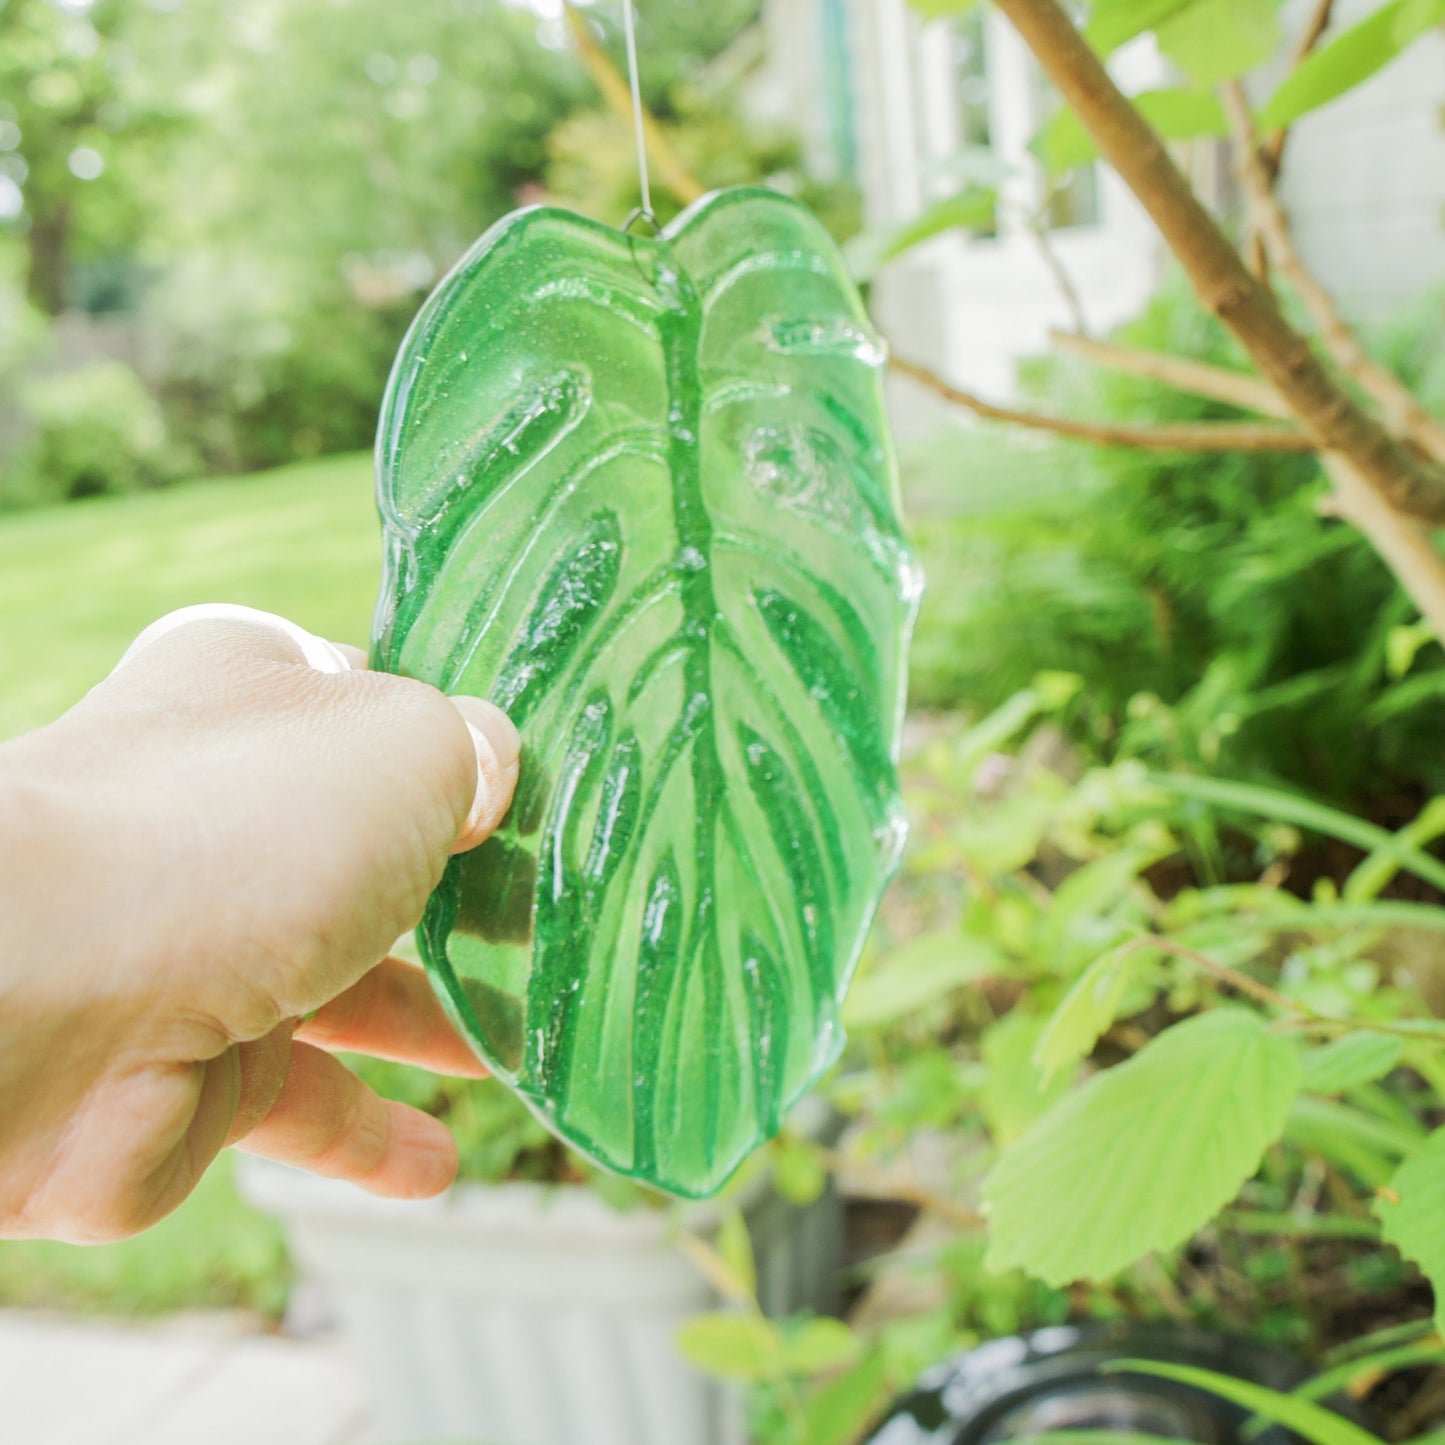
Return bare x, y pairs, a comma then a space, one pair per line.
819, 1347
1015, 1092
1412, 1215
1354, 1059
1312, 1422
917, 974
1087, 1010
1217, 40
1176, 114
640, 492
1143, 1154
733, 1346
1115, 21
1348, 59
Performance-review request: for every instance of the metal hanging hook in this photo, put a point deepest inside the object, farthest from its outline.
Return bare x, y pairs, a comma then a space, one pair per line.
644, 212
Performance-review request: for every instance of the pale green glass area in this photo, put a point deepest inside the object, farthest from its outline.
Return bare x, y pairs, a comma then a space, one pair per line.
641, 493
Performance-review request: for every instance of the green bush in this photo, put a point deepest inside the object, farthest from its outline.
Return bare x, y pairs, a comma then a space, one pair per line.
95, 431
1218, 618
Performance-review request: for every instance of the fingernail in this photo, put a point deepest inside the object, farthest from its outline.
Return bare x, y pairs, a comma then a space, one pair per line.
498, 746
495, 727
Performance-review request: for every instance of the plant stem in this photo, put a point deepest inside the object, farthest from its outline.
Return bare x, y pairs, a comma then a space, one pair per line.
1221, 280
1400, 406
1204, 436
1198, 378
1259, 992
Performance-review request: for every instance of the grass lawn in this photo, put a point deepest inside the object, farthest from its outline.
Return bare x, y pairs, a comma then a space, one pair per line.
76, 584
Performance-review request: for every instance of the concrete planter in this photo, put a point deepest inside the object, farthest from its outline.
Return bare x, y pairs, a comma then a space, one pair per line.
520, 1314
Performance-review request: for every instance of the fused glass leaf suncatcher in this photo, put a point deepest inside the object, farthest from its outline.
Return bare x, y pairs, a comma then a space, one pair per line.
640, 492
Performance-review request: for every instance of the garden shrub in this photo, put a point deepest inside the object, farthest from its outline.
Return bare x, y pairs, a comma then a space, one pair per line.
94, 431
1218, 617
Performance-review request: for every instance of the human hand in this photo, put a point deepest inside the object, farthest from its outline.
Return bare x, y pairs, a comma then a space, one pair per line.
217, 842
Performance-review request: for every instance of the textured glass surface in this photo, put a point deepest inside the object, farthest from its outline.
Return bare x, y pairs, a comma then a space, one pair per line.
640, 492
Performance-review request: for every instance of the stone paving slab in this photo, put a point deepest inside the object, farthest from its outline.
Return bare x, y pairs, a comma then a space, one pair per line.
190, 1380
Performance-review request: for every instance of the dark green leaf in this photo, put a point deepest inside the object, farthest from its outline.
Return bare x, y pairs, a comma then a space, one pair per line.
1350, 58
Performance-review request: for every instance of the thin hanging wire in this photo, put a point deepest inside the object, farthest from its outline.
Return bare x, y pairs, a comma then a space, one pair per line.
644, 211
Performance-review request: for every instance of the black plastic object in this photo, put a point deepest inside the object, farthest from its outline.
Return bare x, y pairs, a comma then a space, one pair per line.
1053, 1379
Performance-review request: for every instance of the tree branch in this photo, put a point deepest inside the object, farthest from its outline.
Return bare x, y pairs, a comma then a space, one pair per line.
1400, 406
618, 95
1407, 547
1220, 278
1198, 378
1205, 436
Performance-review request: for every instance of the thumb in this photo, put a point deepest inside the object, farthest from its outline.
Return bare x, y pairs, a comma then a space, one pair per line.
495, 744
498, 748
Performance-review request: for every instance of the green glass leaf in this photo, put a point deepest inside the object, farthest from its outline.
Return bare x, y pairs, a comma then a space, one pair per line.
640, 492
1144, 1153
1410, 1211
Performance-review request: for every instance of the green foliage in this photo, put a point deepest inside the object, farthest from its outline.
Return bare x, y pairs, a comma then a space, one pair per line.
1144, 1153
214, 1252
1216, 620
1350, 58
1349, 1061
93, 432
1310, 1421
1176, 114
1410, 1213
1212, 41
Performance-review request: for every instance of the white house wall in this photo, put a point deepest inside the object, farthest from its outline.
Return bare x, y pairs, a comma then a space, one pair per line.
1364, 180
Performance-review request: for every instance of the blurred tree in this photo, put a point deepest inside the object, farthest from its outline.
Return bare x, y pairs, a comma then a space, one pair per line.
81, 127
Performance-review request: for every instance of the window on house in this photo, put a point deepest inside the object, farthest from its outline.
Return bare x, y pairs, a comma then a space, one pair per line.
838, 87
971, 67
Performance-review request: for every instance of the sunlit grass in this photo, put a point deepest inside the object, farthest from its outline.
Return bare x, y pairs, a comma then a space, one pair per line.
78, 582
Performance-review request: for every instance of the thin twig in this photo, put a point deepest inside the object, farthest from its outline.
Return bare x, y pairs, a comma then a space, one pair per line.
1205, 436
1259, 992
1198, 378
1271, 153
1034, 223
618, 95
1323, 406
1402, 409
